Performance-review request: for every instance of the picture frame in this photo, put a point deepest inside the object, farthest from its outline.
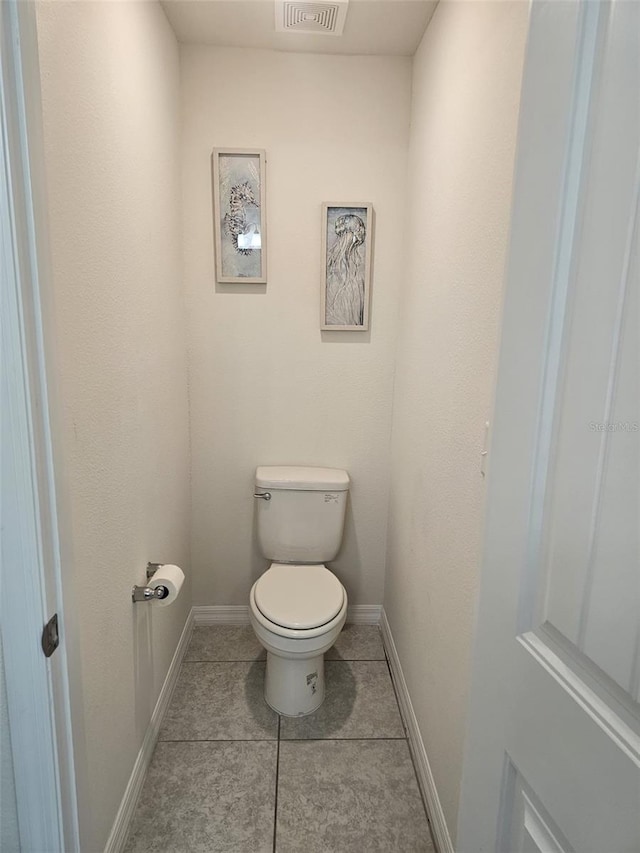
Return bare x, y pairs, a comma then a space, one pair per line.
347, 245
240, 215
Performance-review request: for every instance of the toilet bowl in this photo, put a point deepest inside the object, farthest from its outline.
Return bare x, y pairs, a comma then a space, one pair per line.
296, 626
298, 606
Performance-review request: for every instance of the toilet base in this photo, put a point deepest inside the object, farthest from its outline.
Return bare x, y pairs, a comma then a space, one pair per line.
294, 687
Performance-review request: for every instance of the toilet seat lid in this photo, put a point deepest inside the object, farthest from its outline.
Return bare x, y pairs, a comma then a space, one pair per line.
299, 596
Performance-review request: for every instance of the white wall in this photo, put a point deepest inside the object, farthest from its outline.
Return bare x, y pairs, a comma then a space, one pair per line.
266, 386
110, 81
466, 84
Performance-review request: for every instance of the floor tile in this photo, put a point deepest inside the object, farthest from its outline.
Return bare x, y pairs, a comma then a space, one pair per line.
357, 642
349, 796
220, 701
359, 703
207, 798
224, 643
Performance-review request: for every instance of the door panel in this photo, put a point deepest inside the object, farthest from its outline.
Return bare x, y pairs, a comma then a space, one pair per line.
580, 757
553, 755
593, 504
531, 829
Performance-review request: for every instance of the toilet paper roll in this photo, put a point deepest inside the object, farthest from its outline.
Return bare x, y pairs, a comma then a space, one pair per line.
171, 577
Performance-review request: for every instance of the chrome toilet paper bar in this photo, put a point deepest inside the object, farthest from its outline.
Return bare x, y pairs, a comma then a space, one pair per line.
147, 593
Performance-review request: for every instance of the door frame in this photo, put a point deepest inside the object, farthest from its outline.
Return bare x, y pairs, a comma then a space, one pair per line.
44, 695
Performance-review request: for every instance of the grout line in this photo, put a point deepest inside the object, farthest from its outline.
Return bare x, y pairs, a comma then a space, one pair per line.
336, 739
263, 660
395, 693
221, 740
240, 660
342, 739
275, 806
280, 739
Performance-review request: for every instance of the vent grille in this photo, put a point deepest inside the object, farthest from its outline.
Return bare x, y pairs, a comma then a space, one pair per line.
318, 18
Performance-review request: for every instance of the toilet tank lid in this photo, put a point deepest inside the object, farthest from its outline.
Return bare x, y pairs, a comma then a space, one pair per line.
301, 478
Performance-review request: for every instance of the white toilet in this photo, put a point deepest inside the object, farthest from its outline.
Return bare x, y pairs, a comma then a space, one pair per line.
298, 607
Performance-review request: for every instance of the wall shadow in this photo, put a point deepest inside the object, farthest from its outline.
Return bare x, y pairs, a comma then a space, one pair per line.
142, 664
236, 289
329, 337
331, 716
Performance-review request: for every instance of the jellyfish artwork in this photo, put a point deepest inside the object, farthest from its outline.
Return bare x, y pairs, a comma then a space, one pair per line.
344, 305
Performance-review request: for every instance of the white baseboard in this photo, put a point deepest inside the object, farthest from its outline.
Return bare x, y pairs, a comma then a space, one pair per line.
364, 614
238, 614
120, 829
220, 614
441, 837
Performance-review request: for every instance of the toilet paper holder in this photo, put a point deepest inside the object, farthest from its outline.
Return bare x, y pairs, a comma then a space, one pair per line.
147, 593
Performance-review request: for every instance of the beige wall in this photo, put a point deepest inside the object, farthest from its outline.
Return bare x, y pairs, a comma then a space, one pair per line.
110, 75
266, 386
466, 83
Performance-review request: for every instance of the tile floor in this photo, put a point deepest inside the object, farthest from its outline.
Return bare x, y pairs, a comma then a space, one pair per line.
229, 775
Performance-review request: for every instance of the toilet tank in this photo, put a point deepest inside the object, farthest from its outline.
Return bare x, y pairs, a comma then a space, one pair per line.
303, 521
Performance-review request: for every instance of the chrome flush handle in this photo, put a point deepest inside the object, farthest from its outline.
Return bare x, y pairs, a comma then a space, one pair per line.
266, 496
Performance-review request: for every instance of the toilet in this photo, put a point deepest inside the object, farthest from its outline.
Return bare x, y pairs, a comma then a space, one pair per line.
298, 607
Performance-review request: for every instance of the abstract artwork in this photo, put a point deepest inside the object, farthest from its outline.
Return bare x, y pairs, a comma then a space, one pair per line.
239, 215
347, 238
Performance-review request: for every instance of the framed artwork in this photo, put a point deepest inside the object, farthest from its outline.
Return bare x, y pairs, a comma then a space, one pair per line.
347, 239
239, 215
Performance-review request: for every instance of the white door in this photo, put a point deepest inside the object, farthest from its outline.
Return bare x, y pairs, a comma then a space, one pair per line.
38, 811
553, 753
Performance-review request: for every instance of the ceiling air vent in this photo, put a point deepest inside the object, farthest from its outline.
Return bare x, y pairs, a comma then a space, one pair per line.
298, 16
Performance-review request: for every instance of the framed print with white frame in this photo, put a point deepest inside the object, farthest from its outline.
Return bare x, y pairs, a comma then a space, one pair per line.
240, 215
347, 241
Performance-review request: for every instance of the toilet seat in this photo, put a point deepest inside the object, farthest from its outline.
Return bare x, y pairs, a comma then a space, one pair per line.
298, 597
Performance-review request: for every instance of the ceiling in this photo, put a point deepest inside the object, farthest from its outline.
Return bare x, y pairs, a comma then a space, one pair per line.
375, 27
